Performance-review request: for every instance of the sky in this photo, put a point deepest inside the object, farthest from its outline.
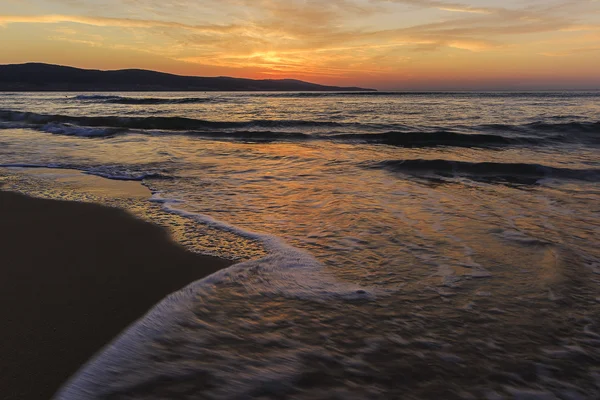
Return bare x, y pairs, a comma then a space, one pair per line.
383, 44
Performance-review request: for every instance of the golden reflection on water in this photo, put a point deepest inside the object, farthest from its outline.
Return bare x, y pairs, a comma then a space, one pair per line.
470, 266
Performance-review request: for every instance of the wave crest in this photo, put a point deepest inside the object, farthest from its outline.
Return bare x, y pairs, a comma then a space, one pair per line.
492, 136
146, 100
489, 171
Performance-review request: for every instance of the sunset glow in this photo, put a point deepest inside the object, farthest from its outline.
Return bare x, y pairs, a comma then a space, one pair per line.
385, 44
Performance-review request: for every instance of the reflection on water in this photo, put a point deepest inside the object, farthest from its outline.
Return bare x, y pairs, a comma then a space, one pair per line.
463, 269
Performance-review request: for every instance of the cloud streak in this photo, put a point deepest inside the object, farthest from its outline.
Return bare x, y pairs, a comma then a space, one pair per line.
445, 6
111, 22
338, 38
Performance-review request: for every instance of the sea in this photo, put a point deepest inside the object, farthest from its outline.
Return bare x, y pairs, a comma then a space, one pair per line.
387, 244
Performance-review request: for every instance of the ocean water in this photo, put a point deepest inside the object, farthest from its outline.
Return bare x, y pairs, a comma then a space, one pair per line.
390, 245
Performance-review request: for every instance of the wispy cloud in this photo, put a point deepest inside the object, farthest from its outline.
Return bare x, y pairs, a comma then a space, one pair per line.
571, 52
332, 38
111, 22
445, 6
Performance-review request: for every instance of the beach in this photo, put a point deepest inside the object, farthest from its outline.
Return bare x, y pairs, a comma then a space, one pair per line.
73, 276
386, 245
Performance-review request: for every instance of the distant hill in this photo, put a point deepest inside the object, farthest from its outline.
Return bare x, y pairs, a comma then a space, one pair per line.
47, 77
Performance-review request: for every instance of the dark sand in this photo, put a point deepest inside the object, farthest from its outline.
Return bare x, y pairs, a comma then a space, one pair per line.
72, 277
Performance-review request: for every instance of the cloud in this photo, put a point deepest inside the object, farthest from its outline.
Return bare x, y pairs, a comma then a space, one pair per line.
332, 38
445, 6
571, 52
581, 28
111, 22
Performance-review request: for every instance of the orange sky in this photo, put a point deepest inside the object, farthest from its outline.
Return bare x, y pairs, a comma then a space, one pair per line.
386, 44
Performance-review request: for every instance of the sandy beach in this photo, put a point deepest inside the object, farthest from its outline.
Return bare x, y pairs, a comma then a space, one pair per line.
72, 277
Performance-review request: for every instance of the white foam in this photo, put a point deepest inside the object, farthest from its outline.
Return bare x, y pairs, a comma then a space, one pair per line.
74, 130
291, 271
286, 271
119, 176
62, 129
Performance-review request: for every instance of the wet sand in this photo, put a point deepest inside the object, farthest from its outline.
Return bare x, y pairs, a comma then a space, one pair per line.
72, 277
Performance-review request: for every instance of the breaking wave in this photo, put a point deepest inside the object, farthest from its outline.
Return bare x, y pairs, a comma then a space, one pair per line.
510, 172
146, 100
498, 135
439, 138
158, 123
544, 127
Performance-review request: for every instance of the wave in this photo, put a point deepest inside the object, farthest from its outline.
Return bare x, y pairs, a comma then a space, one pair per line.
157, 123
392, 138
439, 138
286, 271
91, 97
488, 171
83, 131
586, 127
146, 100
495, 135
546, 127
108, 172
124, 177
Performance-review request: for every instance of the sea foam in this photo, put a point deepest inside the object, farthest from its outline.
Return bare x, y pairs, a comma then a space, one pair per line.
285, 271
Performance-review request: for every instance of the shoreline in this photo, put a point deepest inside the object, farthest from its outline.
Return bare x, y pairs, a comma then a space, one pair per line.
74, 276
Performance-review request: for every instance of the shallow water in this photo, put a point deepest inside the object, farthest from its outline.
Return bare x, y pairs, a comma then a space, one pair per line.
432, 245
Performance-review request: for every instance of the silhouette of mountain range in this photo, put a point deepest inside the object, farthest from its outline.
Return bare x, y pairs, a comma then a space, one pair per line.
48, 77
